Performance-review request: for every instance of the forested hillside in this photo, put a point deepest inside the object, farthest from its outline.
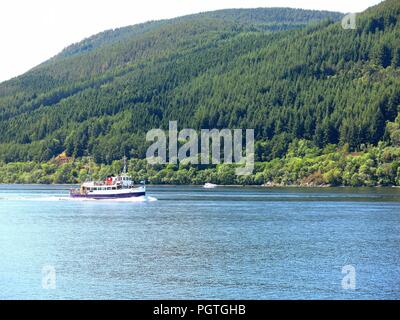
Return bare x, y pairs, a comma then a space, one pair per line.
289, 74
101, 95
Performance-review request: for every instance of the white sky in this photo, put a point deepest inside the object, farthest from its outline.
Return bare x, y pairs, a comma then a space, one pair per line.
31, 31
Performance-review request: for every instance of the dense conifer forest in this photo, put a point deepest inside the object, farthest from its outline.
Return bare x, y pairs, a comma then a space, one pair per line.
324, 101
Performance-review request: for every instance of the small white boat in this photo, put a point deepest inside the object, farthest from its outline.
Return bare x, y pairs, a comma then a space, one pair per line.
210, 186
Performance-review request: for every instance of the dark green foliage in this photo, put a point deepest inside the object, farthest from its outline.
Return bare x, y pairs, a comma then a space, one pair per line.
289, 74
393, 129
384, 56
304, 164
396, 57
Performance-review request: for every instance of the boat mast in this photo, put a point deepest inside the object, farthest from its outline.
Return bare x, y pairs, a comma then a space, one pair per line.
90, 168
124, 172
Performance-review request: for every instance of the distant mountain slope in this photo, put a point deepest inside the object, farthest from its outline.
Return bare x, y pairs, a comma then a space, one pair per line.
115, 48
262, 19
213, 70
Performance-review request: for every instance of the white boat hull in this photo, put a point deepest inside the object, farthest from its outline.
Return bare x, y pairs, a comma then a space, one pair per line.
111, 194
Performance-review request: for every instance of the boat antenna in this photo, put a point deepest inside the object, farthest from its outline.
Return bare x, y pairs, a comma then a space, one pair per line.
90, 168
124, 165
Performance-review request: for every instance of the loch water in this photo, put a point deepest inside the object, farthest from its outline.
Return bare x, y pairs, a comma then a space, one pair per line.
184, 242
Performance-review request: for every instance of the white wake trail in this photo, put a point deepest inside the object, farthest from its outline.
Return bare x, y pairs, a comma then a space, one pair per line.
66, 198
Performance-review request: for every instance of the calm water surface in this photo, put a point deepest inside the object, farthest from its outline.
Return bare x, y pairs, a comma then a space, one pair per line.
189, 242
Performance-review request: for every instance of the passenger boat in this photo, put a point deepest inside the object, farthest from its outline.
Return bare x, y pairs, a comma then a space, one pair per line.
113, 187
210, 185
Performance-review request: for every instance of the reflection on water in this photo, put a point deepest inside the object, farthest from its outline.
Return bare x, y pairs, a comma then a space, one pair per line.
190, 242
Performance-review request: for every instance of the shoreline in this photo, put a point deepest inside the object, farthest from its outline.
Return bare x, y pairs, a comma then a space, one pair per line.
272, 186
